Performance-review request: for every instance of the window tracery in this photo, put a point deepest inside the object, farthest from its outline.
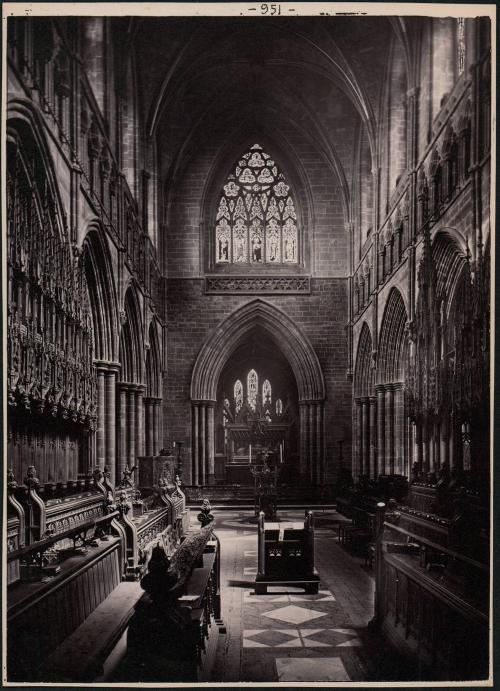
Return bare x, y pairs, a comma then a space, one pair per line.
266, 392
252, 388
238, 395
256, 219
461, 44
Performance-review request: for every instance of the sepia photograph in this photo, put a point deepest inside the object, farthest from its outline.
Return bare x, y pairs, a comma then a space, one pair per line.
248, 344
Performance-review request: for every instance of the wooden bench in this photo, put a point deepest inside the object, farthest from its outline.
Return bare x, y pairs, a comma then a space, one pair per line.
96, 646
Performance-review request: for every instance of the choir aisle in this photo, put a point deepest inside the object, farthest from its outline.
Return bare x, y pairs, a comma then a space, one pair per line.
291, 636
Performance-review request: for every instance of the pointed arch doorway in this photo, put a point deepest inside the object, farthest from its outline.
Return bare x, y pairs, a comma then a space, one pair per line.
267, 330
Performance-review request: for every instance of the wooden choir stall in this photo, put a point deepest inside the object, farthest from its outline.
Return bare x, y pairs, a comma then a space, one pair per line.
75, 557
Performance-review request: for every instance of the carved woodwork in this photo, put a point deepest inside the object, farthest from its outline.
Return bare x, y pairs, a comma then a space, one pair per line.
433, 603
51, 382
286, 555
174, 630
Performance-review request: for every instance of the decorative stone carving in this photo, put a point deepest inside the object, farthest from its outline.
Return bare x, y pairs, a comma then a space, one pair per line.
258, 284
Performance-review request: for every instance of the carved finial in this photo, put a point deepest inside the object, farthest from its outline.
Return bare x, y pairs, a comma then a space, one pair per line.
11, 480
205, 517
31, 480
123, 317
122, 503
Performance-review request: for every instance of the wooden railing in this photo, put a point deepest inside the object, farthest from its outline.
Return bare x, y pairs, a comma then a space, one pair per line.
431, 602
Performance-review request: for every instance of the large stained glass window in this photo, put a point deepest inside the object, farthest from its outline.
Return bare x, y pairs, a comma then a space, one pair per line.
256, 219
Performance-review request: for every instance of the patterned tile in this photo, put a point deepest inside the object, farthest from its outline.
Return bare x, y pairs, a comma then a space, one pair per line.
297, 595
311, 669
293, 614
271, 638
340, 638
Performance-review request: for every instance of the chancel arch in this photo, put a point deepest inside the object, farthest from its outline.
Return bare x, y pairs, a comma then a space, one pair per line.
303, 361
256, 383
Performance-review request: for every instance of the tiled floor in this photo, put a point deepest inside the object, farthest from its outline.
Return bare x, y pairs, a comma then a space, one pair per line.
287, 635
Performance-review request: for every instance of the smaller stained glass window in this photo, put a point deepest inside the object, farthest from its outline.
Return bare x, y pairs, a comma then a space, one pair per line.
461, 44
266, 392
238, 395
279, 406
252, 388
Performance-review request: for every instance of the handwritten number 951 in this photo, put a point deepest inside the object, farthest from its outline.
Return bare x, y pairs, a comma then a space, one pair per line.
270, 9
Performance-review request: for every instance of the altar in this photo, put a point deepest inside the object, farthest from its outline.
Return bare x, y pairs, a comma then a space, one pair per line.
258, 447
238, 473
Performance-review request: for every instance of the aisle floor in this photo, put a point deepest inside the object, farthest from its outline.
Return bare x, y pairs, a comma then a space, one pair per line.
287, 635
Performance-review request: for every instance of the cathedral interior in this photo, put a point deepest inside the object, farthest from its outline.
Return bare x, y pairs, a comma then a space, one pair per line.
248, 349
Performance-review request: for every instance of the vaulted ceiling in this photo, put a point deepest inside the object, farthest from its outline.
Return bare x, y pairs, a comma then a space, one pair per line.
205, 76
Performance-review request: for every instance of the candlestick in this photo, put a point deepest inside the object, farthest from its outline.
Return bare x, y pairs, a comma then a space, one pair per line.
281, 452
250, 453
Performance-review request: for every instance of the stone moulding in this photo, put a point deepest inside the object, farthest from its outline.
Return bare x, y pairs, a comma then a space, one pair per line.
264, 285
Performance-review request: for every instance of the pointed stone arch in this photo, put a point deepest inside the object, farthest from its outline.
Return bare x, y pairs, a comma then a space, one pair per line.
392, 340
131, 341
102, 294
363, 371
364, 407
282, 330
305, 366
392, 451
153, 391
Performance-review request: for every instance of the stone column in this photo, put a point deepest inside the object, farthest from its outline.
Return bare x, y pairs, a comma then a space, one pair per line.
320, 474
122, 453
359, 433
390, 427
101, 423
312, 445
366, 436
157, 437
139, 422
210, 443
398, 428
195, 451
373, 437
202, 440
149, 414
110, 423
131, 424
159, 426
381, 455
303, 444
